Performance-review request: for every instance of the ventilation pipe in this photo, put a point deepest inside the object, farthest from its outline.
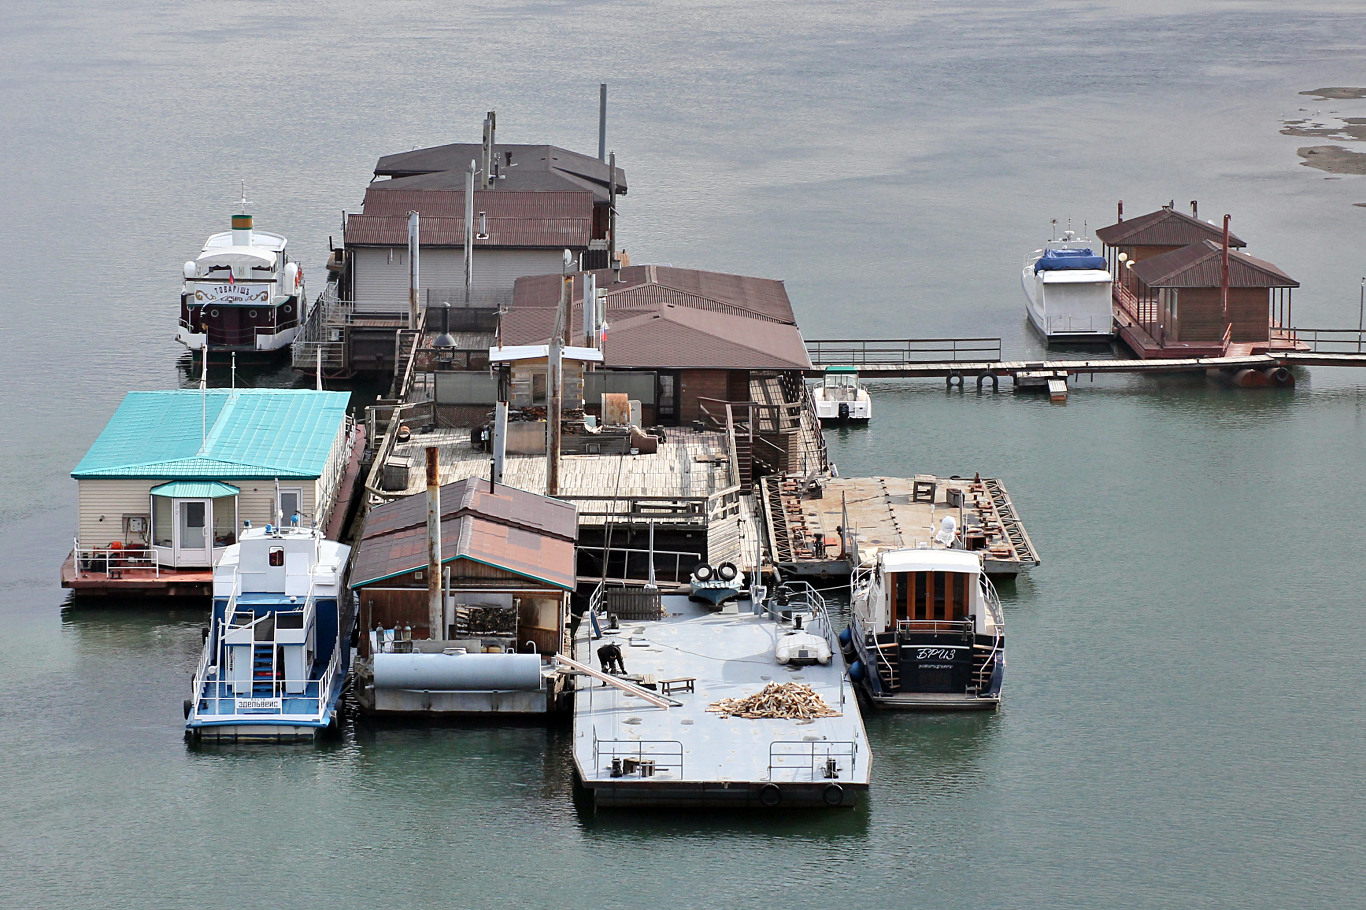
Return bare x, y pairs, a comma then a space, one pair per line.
435, 614
602, 121
412, 269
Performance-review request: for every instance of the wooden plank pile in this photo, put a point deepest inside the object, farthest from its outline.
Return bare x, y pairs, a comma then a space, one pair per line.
789, 700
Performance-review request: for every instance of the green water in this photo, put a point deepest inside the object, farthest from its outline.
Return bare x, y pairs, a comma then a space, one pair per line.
1181, 725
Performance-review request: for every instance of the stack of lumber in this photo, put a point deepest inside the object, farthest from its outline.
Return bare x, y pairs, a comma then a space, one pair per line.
788, 700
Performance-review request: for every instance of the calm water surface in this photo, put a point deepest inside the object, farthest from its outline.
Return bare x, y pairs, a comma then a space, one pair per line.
1182, 724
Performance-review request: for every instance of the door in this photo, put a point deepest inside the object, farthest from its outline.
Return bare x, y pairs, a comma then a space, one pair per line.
193, 518
666, 399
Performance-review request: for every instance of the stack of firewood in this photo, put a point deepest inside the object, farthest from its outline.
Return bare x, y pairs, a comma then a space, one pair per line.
787, 700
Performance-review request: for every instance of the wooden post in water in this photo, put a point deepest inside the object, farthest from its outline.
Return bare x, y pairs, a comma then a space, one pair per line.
434, 606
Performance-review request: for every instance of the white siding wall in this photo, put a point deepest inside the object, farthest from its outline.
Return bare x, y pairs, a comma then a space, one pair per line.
381, 286
115, 498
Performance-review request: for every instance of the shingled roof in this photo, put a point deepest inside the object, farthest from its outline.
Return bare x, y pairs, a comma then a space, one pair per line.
1164, 227
1198, 266
660, 317
513, 530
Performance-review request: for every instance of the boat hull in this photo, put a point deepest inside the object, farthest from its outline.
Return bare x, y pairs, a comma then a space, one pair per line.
1088, 320
715, 595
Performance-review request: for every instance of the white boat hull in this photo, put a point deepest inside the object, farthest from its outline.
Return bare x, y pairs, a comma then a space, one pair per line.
859, 409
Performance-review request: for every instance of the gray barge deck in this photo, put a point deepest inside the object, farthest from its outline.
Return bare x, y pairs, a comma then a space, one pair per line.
702, 758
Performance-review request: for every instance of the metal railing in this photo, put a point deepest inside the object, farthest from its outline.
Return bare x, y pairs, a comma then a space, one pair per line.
667, 754
324, 330
114, 560
1324, 341
643, 557
811, 759
860, 352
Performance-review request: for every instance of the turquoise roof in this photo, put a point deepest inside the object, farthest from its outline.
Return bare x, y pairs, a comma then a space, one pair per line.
195, 489
252, 434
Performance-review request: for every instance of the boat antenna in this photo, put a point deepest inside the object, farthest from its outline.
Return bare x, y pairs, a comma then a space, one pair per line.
234, 371
279, 513
243, 201
1052, 229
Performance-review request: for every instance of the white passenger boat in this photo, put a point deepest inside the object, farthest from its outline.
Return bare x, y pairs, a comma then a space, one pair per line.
278, 647
242, 293
841, 398
926, 631
1067, 292
651, 729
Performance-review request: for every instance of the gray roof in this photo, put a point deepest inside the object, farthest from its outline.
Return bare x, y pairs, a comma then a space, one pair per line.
533, 168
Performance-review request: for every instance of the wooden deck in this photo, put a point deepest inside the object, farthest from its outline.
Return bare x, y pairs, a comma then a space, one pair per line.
140, 581
888, 512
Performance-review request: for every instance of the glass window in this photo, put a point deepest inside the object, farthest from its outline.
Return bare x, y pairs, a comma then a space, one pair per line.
162, 523
192, 524
277, 556
291, 503
225, 521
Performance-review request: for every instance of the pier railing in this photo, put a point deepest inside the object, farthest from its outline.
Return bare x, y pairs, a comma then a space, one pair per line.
667, 754
814, 761
1324, 341
324, 334
114, 560
856, 352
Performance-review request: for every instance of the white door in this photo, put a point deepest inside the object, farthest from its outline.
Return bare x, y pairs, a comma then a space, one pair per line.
193, 519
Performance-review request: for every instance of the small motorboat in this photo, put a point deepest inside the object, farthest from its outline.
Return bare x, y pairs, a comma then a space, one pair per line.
278, 647
840, 398
715, 585
926, 630
1067, 292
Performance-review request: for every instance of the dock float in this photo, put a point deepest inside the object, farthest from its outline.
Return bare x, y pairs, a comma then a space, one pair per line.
630, 753
821, 530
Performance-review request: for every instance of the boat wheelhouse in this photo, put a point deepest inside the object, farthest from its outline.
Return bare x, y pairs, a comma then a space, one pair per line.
278, 647
841, 398
242, 293
926, 631
1067, 291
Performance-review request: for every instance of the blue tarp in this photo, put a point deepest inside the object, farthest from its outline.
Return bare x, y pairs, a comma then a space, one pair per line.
1057, 260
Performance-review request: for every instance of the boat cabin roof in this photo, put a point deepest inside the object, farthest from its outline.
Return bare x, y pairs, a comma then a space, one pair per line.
266, 240
1076, 276
846, 370
250, 256
931, 560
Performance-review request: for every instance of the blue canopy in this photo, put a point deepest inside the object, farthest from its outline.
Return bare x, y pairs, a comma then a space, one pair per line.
1057, 260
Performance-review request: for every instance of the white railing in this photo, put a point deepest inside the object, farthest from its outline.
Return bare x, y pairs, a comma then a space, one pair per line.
667, 754
110, 560
815, 756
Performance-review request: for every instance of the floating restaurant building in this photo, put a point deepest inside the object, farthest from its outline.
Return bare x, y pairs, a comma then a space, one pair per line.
1183, 288
173, 476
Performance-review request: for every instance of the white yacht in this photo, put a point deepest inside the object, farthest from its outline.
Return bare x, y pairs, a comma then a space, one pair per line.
841, 398
242, 293
926, 630
278, 647
1067, 291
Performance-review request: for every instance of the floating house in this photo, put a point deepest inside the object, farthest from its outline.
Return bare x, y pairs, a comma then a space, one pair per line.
682, 342
530, 203
175, 474
1169, 289
507, 559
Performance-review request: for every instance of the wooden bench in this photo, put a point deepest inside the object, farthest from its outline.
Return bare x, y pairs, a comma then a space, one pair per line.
684, 684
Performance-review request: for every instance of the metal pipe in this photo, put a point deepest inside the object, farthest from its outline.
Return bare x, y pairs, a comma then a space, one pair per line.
434, 611
602, 121
554, 387
500, 440
469, 233
612, 216
413, 244
1223, 275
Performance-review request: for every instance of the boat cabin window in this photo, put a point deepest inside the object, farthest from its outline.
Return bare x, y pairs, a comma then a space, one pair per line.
294, 620
277, 556
929, 596
291, 503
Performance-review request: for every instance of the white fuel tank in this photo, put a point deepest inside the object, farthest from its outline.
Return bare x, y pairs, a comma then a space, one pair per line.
458, 672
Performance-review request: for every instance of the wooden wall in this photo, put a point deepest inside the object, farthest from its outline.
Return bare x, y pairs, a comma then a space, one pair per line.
1199, 315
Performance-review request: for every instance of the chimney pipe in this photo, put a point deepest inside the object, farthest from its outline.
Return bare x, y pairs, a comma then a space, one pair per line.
1121, 210
435, 613
612, 216
1223, 274
469, 233
1195, 208
413, 245
500, 440
490, 125
602, 122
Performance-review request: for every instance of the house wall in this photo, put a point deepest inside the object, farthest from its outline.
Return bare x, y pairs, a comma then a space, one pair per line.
1199, 315
380, 285
697, 384
113, 499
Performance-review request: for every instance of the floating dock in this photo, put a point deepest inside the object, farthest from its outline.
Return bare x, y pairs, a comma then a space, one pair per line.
628, 752
822, 536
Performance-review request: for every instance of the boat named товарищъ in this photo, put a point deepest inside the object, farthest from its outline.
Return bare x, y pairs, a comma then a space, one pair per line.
242, 293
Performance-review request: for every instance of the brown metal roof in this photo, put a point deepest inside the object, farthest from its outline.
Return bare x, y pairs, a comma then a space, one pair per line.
668, 318
1164, 227
511, 219
1199, 266
519, 532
